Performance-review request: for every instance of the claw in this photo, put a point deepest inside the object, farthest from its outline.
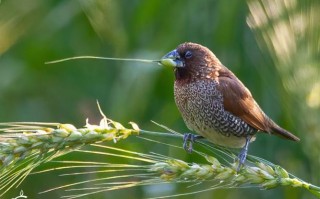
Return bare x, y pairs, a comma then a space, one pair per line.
188, 140
243, 153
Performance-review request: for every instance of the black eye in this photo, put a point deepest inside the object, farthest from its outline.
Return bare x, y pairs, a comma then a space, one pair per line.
188, 54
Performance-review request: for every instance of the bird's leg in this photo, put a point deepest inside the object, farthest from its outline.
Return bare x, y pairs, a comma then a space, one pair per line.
188, 140
243, 153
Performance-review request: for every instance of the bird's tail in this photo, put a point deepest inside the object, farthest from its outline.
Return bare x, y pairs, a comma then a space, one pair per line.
277, 130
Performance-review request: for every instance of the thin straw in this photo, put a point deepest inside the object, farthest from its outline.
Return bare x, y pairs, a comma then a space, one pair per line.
107, 58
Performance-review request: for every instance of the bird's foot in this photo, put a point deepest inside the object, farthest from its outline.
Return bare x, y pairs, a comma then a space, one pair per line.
243, 153
188, 140
242, 158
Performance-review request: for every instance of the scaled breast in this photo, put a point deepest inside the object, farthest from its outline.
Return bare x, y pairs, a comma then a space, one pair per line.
201, 106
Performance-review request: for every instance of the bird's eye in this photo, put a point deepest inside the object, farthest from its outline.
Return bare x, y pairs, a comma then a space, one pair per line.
188, 54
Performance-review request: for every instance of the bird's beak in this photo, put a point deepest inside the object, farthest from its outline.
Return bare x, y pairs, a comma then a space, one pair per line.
172, 59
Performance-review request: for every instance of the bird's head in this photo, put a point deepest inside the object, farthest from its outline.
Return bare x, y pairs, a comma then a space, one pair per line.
192, 61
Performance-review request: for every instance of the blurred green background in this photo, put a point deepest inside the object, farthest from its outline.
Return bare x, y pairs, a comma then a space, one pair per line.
272, 46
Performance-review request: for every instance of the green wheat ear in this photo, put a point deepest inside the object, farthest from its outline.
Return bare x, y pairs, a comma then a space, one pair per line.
151, 169
24, 146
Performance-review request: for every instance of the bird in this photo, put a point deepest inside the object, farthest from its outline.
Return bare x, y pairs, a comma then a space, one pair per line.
214, 103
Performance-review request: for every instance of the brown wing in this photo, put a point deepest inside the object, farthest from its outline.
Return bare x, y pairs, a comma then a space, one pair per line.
238, 100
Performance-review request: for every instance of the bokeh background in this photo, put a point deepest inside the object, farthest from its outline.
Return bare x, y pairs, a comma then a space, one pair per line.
273, 46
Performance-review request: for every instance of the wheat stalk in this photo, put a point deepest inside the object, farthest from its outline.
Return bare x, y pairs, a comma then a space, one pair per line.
24, 146
261, 174
36, 138
158, 169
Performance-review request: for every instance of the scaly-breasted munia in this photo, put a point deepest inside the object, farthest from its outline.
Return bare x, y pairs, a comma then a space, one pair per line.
214, 102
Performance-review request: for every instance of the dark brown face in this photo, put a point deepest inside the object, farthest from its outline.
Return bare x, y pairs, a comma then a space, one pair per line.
192, 61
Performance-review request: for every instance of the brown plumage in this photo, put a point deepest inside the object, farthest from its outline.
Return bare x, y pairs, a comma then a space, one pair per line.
214, 102
238, 100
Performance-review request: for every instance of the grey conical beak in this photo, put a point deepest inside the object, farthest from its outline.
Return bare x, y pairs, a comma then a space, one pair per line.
172, 59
